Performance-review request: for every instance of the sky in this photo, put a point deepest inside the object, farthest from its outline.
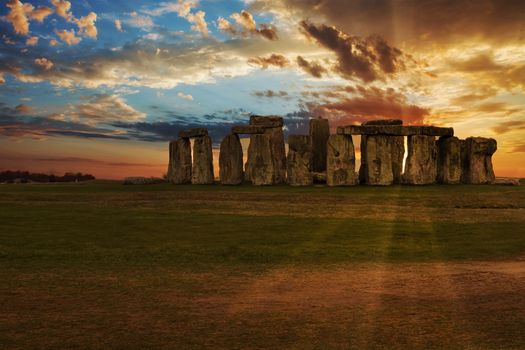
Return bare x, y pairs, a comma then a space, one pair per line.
102, 86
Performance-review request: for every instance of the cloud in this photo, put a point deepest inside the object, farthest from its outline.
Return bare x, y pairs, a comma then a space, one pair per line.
185, 96
118, 25
518, 147
68, 36
2, 79
199, 23
41, 13
86, 25
271, 94
246, 26
53, 42
508, 126
348, 105
367, 59
32, 41
17, 16
23, 109
62, 8
44, 63
276, 60
104, 108
424, 23
312, 68
139, 21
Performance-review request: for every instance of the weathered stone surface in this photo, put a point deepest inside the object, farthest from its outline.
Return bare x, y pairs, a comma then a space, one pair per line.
397, 145
193, 133
230, 161
477, 157
449, 160
299, 172
421, 163
179, 169
268, 121
319, 177
340, 166
507, 181
383, 122
319, 132
273, 128
394, 130
202, 171
376, 160
260, 160
248, 129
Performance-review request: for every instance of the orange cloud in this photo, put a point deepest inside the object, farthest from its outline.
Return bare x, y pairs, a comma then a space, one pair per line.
68, 37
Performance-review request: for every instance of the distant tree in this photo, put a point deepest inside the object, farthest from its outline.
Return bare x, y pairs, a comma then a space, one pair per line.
10, 176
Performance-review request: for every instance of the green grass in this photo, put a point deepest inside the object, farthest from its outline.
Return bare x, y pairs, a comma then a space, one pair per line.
102, 265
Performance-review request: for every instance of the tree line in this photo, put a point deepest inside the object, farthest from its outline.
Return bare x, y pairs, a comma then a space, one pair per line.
10, 176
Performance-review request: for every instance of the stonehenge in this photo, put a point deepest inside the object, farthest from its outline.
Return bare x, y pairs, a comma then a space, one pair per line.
340, 161
299, 160
433, 155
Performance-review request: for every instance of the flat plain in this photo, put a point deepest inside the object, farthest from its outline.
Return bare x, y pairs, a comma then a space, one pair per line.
102, 265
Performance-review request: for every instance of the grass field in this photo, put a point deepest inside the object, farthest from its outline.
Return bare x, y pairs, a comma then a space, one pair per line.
101, 265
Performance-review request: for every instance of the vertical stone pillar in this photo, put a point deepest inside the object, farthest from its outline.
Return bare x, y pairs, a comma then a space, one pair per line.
202, 172
397, 148
274, 128
449, 160
299, 172
319, 133
230, 161
340, 161
477, 155
179, 169
421, 164
262, 162
376, 160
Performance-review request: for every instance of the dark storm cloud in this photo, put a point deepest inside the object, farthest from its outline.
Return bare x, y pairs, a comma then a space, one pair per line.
271, 94
367, 59
312, 68
419, 21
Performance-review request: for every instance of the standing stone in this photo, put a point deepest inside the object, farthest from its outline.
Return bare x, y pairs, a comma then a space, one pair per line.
449, 160
319, 133
376, 160
299, 160
230, 161
397, 146
421, 164
261, 160
477, 167
179, 169
340, 161
274, 128
202, 172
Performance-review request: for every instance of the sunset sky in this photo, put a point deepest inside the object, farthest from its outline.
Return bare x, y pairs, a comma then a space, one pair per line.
101, 86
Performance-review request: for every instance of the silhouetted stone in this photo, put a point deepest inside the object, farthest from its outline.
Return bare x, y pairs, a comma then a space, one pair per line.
449, 160
394, 130
248, 129
261, 160
376, 160
340, 166
383, 122
193, 133
267, 121
319, 132
179, 169
230, 161
421, 164
202, 171
299, 172
507, 181
477, 155
273, 127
